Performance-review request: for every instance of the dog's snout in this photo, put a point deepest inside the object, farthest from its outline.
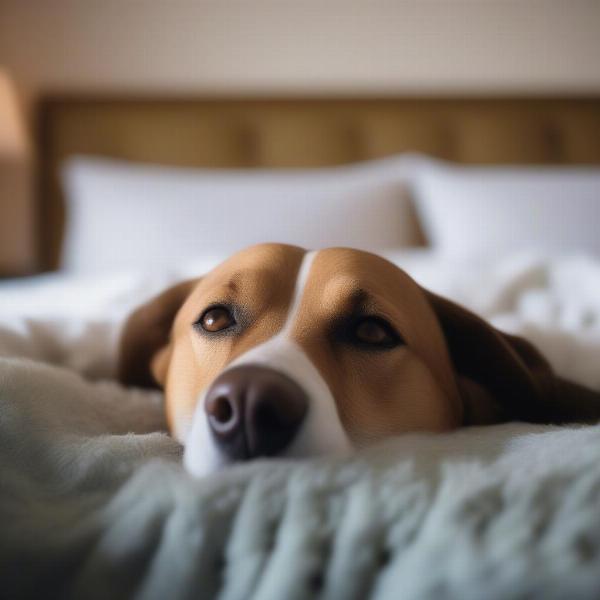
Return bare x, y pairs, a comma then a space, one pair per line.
254, 411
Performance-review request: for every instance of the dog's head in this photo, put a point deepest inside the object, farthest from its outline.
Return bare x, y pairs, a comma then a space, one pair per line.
279, 351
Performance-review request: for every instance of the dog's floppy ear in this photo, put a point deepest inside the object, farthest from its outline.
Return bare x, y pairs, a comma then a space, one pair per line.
502, 377
143, 350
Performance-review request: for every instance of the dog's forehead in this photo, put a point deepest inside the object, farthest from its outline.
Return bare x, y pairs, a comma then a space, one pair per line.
278, 261
255, 270
335, 273
360, 265
340, 275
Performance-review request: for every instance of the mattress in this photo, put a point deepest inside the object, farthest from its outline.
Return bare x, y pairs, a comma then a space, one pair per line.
94, 501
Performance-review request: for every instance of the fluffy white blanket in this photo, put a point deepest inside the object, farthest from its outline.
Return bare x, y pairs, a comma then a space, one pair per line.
94, 503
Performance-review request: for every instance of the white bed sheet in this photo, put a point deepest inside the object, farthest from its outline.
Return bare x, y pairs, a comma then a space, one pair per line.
74, 320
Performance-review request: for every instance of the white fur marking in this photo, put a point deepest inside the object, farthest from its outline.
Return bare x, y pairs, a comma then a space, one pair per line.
301, 280
321, 432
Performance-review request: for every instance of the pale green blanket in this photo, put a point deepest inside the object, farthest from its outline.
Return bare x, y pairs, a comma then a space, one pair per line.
88, 510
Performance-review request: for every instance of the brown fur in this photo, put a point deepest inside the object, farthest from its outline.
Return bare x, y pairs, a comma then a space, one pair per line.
261, 280
454, 368
378, 393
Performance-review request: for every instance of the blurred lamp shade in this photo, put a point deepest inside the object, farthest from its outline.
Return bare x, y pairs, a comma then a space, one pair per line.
13, 138
17, 215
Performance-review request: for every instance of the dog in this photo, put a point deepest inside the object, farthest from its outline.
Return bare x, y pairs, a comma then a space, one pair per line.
285, 352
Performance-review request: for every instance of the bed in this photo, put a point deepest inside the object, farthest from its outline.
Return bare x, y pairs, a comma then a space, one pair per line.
94, 501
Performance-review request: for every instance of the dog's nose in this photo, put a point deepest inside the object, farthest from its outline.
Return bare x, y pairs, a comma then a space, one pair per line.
254, 411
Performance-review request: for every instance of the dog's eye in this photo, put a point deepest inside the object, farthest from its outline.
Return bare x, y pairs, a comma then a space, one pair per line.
373, 331
216, 319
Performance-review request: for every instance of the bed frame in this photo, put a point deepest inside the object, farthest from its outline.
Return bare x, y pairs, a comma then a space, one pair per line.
212, 132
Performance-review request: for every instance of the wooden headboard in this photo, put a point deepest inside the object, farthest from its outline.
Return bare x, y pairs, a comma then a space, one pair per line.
304, 133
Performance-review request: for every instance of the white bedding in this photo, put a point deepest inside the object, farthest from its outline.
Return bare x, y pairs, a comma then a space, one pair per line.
115, 206
86, 508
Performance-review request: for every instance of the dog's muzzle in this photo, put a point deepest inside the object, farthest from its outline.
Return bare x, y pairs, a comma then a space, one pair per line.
253, 411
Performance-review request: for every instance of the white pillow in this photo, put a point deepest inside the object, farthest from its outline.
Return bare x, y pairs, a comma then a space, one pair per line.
486, 212
122, 214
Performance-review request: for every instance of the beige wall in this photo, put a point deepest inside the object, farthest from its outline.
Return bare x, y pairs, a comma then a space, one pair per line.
282, 46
